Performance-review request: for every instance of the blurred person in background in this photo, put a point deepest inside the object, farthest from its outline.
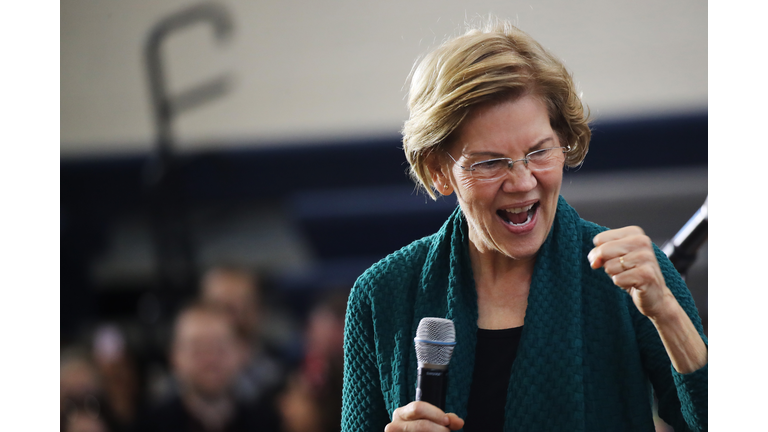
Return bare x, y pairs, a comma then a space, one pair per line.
239, 292
82, 404
311, 401
82, 421
207, 355
118, 373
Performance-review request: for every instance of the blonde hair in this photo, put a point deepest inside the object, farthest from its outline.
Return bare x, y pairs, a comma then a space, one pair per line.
496, 62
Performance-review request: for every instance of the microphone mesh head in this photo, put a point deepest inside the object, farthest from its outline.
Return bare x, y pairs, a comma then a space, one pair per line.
435, 339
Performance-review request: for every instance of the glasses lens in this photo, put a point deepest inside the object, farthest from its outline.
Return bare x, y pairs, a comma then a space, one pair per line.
545, 158
489, 169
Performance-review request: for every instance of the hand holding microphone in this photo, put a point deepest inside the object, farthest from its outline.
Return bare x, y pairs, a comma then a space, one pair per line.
435, 339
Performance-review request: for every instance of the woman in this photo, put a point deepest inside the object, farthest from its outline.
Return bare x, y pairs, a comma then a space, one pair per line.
546, 340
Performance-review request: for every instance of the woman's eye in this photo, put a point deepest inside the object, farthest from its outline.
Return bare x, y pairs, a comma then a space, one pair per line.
490, 165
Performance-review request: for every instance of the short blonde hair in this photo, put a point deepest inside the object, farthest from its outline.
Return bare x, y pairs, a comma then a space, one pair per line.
496, 62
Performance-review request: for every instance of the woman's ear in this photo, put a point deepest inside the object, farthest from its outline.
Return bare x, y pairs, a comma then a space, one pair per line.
439, 172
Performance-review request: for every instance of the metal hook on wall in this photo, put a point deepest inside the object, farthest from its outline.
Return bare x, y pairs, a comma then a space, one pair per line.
176, 263
167, 107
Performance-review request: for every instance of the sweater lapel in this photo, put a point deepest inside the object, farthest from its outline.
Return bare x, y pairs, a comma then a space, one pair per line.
447, 290
548, 369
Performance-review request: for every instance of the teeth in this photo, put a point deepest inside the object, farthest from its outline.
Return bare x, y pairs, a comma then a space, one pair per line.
519, 209
527, 220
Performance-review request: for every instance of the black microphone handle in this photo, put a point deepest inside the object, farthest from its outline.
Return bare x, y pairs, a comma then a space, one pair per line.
431, 386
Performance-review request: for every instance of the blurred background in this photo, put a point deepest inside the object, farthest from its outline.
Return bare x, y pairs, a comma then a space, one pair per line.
243, 159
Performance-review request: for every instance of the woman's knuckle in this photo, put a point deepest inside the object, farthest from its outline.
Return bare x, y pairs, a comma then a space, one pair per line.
647, 271
650, 255
416, 410
397, 413
641, 257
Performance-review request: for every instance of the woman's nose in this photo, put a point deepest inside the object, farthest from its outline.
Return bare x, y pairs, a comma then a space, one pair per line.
519, 178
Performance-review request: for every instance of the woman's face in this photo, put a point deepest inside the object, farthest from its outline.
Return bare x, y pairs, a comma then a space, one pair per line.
509, 129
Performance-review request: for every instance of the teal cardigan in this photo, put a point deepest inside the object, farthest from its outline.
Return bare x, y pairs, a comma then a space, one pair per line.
587, 360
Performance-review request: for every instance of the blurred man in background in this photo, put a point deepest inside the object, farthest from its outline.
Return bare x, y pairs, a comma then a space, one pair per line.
238, 291
82, 406
311, 401
207, 355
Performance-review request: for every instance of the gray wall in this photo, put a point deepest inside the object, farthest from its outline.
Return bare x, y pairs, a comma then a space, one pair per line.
331, 69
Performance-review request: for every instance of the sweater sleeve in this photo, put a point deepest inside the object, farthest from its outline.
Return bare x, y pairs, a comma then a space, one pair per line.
363, 406
682, 397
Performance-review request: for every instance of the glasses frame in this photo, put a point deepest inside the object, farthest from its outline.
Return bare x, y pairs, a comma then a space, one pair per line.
510, 161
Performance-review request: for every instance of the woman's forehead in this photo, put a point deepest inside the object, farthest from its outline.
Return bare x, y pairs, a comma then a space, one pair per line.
513, 126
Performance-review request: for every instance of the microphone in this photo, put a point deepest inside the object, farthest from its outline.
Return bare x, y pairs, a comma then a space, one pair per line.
681, 250
435, 339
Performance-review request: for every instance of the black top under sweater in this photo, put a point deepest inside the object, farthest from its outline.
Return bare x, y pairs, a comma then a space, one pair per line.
494, 355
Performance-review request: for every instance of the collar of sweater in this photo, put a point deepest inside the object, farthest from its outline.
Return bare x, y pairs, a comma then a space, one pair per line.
548, 368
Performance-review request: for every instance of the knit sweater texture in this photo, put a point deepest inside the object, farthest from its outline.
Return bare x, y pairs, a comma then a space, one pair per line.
587, 360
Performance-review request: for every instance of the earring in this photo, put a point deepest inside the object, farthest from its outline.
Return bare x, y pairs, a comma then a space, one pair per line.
445, 186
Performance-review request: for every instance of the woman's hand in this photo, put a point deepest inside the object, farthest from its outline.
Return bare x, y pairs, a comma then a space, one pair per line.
627, 256
423, 416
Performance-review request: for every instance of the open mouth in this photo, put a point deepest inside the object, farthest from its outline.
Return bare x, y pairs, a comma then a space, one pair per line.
518, 216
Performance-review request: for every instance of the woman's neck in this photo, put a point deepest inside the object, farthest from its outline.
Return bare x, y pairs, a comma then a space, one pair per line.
502, 285
492, 266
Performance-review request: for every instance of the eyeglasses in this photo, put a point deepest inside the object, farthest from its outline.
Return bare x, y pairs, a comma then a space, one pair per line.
536, 161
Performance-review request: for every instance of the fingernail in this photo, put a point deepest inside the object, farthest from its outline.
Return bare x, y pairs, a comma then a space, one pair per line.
446, 420
591, 257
